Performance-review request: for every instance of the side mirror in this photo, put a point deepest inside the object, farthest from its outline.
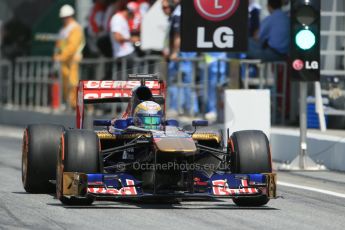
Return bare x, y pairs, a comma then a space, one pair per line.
121, 123
196, 123
172, 122
130, 121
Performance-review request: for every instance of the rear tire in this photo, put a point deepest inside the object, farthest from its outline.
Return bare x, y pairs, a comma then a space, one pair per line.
39, 155
79, 153
250, 154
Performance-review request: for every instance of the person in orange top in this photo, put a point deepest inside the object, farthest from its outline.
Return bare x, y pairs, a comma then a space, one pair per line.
68, 50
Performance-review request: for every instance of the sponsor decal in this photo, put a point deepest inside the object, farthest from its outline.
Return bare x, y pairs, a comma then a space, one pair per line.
198, 182
106, 94
216, 10
119, 84
115, 89
298, 64
110, 93
129, 190
221, 188
214, 25
223, 37
309, 65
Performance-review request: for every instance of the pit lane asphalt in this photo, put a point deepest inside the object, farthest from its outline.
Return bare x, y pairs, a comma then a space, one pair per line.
296, 209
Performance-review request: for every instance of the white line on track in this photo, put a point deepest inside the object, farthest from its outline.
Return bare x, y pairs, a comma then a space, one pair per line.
341, 195
12, 135
11, 132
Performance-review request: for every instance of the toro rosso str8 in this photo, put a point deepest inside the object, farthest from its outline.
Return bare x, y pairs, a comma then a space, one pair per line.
122, 159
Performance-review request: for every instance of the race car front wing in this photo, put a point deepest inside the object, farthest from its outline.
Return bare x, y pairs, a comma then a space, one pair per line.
121, 185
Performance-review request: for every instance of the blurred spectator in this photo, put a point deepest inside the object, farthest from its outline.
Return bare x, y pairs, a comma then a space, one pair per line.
286, 7
135, 21
16, 39
96, 17
95, 25
254, 10
216, 76
274, 35
254, 18
120, 32
134, 25
68, 52
108, 14
179, 97
104, 43
144, 6
167, 7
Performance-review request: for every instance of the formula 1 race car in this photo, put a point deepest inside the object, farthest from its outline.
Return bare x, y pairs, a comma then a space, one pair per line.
143, 154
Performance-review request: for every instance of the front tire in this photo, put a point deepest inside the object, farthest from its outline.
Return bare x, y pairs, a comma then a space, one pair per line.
250, 154
39, 154
79, 153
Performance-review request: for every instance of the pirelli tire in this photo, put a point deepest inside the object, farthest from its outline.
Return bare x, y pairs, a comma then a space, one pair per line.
39, 156
250, 153
79, 153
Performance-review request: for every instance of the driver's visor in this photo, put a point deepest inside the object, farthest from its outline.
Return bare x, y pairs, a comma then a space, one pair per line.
151, 120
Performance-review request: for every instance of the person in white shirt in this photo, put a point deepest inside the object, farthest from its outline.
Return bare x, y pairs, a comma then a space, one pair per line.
122, 43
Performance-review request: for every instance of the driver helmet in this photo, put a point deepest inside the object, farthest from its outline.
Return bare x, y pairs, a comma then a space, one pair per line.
148, 115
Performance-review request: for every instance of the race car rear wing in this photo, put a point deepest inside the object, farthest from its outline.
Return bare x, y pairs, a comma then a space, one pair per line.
116, 91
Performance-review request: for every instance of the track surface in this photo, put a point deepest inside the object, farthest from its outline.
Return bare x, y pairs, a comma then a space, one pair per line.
296, 209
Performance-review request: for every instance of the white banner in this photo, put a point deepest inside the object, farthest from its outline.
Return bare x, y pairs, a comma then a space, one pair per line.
248, 110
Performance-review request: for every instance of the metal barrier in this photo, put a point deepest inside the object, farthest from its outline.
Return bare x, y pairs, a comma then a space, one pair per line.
34, 78
197, 86
269, 78
6, 73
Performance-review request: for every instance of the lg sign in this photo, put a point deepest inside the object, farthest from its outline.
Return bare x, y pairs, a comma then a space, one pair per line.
299, 65
214, 25
216, 10
223, 37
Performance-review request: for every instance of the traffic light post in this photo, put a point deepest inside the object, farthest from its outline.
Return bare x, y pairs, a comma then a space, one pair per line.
305, 40
305, 67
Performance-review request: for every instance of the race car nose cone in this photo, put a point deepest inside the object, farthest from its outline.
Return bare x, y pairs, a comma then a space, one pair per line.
175, 145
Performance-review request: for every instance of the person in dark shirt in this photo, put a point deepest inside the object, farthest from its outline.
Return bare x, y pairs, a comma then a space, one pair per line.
274, 35
181, 99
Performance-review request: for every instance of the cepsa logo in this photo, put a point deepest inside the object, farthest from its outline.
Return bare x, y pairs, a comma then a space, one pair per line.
119, 84
216, 10
114, 89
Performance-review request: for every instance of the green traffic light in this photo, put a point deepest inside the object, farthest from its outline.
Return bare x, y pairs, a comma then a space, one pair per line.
305, 39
